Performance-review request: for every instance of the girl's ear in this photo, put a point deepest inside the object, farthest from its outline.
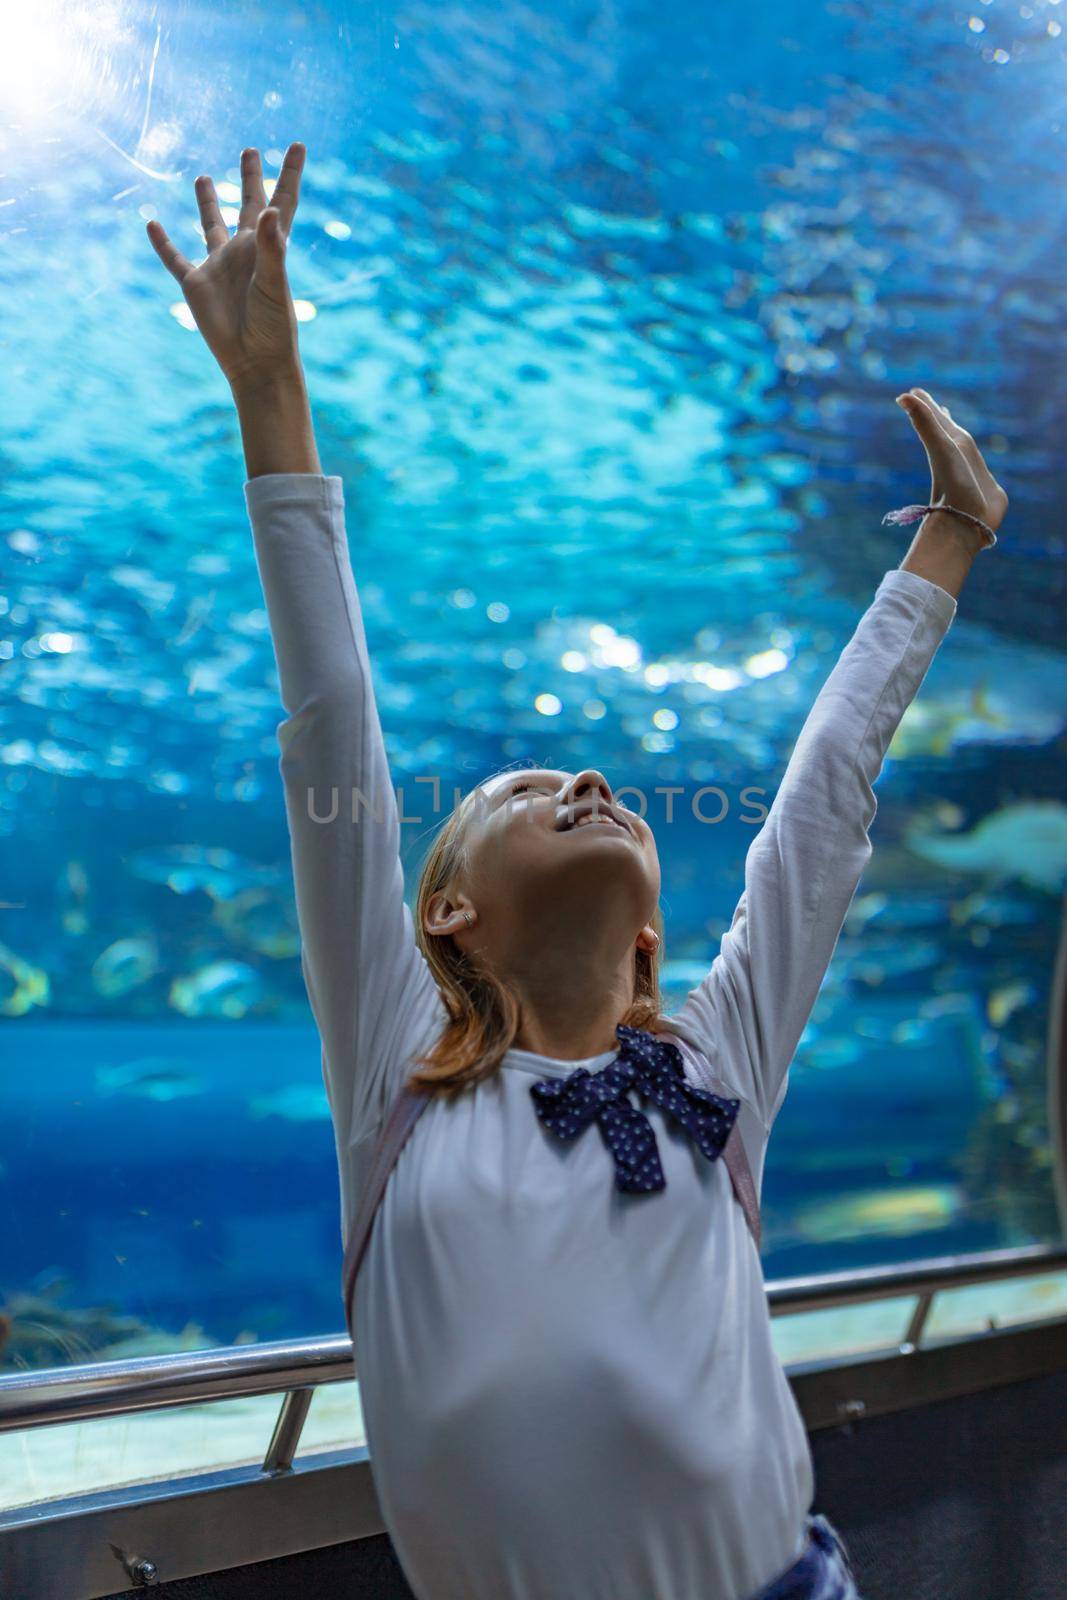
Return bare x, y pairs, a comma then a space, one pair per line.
444, 916
438, 911
648, 938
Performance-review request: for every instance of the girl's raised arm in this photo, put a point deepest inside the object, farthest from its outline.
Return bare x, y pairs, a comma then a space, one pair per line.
804, 864
371, 991
803, 867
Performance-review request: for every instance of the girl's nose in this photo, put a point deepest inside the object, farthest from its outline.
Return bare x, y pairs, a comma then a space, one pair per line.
584, 784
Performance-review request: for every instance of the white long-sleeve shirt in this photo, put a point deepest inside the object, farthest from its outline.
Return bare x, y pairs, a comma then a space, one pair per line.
566, 1390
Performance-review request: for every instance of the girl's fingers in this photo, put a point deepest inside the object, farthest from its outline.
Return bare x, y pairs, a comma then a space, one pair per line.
287, 189
269, 272
937, 414
944, 415
215, 230
928, 421
966, 444
924, 394
253, 194
939, 433
942, 452
169, 254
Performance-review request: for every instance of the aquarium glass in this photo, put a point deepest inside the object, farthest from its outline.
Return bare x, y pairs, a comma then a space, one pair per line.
603, 308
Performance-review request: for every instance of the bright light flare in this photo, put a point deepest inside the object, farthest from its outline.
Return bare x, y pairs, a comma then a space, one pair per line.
57, 54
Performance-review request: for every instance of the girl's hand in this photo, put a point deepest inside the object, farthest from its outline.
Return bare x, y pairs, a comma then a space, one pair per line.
239, 295
958, 475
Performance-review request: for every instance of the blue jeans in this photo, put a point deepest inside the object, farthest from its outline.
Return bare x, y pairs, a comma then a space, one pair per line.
822, 1572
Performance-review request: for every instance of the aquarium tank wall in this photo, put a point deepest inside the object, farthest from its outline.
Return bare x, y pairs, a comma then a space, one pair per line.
602, 310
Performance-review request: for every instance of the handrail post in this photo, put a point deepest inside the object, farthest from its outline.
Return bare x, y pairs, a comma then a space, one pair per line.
918, 1320
287, 1430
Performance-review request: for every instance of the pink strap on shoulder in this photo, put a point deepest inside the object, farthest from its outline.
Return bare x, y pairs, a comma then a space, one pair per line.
405, 1111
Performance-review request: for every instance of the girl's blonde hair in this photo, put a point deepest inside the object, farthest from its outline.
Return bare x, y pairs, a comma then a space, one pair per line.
484, 1012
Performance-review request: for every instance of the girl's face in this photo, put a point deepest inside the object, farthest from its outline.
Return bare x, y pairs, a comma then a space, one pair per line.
533, 860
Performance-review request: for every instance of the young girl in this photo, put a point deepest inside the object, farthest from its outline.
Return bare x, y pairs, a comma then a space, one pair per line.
567, 1373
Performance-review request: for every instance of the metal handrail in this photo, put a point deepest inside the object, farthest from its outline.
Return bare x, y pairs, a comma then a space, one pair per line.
118, 1388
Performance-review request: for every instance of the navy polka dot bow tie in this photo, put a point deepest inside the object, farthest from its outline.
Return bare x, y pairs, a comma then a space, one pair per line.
653, 1067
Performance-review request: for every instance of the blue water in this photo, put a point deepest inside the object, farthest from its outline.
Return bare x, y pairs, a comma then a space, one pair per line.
602, 313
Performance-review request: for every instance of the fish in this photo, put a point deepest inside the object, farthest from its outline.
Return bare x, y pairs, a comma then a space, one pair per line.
935, 727
296, 1102
896, 1212
124, 965
865, 908
221, 989
219, 872
1002, 1002
896, 912
996, 910
1026, 841
869, 1026
74, 914
876, 963
77, 879
824, 1055
912, 1030
197, 614
151, 1077
29, 985
259, 918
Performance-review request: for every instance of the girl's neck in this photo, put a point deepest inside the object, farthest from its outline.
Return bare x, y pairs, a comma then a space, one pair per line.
572, 1034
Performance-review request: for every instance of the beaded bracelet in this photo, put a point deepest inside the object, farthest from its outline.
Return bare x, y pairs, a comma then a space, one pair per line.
913, 513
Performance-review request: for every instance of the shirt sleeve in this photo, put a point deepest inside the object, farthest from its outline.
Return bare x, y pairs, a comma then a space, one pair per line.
803, 867
372, 993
